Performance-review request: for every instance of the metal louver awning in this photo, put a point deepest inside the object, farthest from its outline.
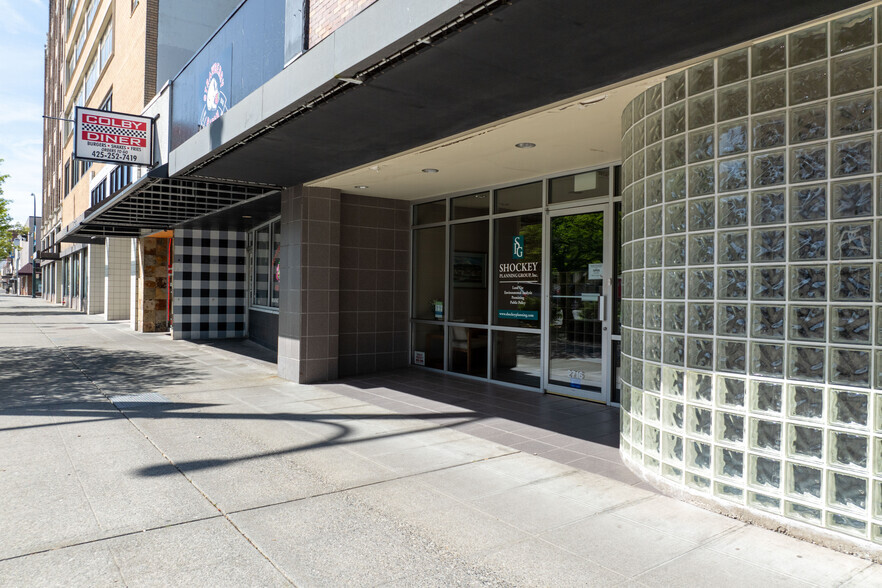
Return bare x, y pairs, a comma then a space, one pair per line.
156, 202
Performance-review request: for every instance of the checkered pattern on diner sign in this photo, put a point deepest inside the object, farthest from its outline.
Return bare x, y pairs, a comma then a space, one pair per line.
115, 131
210, 284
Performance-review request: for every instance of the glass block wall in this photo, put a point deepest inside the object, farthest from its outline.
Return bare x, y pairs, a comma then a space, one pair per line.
752, 314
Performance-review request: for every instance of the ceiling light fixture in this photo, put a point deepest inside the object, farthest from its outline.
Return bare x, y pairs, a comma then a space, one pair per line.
525, 145
430, 170
246, 216
360, 187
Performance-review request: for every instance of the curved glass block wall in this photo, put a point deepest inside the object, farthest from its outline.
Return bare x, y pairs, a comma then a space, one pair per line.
752, 313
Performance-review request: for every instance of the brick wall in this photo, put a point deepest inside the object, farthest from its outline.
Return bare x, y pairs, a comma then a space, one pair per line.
150, 46
326, 16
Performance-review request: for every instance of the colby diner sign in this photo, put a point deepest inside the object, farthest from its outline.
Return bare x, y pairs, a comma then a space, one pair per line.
113, 137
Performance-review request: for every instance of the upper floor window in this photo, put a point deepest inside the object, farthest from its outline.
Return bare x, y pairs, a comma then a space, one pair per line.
71, 11
106, 45
92, 77
90, 13
81, 41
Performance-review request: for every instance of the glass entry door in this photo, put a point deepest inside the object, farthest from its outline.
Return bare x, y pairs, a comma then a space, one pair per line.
580, 271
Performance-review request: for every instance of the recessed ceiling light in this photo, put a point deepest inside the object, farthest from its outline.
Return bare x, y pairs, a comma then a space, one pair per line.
430, 170
360, 187
525, 145
246, 216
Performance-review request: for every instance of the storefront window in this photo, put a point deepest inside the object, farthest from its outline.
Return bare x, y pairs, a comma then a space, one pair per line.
275, 264
468, 351
469, 272
266, 265
516, 198
428, 345
261, 267
428, 274
470, 206
430, 212
591, 184
517, 275
477, 282
517, 358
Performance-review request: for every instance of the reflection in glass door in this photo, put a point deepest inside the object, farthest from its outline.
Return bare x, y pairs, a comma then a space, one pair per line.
578, 306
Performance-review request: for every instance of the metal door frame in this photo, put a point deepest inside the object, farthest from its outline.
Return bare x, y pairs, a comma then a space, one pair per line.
606, 343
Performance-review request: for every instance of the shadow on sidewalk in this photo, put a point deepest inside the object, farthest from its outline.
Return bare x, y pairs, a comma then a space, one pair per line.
73, 413
37, 377
421, 389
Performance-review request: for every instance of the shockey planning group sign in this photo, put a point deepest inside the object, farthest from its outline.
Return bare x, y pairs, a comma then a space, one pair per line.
113, 137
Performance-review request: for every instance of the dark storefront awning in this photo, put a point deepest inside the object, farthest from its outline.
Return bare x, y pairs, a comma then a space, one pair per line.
26, 270
156, 202
509, 59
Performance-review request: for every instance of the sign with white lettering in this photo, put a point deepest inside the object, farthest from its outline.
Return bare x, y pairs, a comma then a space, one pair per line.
518, 284
113, 137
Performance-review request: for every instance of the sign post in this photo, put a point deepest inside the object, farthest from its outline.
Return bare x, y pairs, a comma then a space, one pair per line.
113, 137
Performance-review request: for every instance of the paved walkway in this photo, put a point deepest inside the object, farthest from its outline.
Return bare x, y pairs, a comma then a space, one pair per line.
129, 459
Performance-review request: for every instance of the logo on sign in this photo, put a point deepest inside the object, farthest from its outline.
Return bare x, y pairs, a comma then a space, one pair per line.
214, 99
517, 247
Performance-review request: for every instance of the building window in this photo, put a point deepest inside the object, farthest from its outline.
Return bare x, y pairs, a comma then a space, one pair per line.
81, 41
71, 11
99, 192
295, 25
69, 127
120, 177
92, 77
107, 104
107, 45
90, 13
265, 261
67, 177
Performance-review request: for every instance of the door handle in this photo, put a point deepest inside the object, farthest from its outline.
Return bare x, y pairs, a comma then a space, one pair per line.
601, 308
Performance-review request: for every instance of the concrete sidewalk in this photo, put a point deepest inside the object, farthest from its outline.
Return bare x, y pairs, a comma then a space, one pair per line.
131, 459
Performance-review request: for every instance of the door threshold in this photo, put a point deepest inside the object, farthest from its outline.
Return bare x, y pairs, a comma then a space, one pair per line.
601, 402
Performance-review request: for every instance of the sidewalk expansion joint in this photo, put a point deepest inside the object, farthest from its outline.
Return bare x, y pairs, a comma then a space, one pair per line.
369, 484
111, 537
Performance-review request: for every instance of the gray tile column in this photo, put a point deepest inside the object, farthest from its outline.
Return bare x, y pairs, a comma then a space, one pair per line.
310, 276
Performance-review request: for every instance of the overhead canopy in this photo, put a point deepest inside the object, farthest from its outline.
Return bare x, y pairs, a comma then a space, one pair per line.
156, 202
522, 55
26, 270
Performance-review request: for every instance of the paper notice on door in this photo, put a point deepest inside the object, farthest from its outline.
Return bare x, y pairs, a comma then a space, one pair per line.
595, 271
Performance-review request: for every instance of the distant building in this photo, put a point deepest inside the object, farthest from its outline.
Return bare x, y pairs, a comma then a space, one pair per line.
26, 263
